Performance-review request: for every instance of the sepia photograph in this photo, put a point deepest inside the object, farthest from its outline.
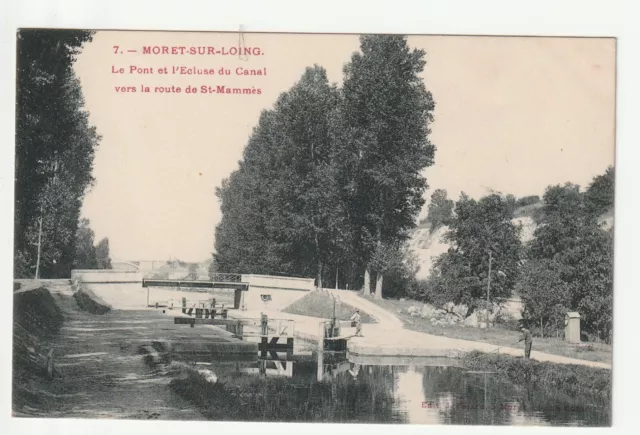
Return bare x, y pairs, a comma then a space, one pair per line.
314, 227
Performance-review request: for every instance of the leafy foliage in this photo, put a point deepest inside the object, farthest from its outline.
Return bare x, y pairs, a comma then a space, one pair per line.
600, 195
479, 228
88, 256
331, 179
102, 254
570, 263
440, 209
54, 150
85, 257
384, 146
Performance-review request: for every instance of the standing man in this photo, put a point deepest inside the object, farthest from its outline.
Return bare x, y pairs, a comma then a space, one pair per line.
528, 341
264, 323
357, 322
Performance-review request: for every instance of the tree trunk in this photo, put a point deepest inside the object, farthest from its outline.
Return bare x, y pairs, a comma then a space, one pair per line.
367, 282
319, 283
379, 278
379, 275
39, 245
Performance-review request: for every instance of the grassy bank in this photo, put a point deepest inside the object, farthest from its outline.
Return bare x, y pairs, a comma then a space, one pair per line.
498, 335
90, 302
320, 304
572, 380
36, 320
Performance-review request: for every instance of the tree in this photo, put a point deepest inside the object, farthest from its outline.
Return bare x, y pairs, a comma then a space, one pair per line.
384, 146
481, 233
580, 250
54, 151
440, 209
281, 212
102, 254
600, 195
545, 296
85, 256
563, 217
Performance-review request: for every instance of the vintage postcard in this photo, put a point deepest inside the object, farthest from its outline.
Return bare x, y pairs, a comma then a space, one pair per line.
329, 228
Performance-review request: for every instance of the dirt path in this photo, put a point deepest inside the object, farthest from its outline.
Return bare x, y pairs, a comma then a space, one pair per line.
100, 372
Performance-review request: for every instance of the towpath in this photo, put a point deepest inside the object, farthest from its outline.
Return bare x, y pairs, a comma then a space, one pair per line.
388, 336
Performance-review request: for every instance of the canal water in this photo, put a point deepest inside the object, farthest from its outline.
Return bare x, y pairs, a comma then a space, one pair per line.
413, 394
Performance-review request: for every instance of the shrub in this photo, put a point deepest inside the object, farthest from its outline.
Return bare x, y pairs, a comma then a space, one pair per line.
573, 380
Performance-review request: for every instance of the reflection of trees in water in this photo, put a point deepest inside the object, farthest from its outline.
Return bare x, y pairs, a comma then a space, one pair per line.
471, 402
470, 405
560, 409
368, 398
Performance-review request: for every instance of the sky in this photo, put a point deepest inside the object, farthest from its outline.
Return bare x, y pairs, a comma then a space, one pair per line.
512, 114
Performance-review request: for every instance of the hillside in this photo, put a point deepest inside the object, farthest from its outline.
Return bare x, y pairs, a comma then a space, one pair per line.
428, 246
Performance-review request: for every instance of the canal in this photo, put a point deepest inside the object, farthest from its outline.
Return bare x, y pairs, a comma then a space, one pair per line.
408, 393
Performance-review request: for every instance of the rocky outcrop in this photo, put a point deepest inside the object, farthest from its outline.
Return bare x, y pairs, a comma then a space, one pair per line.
452, 314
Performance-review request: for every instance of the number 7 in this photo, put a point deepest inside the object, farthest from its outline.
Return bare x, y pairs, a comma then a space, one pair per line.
115, 49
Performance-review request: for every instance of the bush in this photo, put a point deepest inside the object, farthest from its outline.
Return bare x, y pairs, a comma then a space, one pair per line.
573, 380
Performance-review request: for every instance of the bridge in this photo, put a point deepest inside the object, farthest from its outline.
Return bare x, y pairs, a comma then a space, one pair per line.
224, 281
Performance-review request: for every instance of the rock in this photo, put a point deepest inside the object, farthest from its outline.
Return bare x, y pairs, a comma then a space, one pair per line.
441, 311
449, 306
428, 310
461, 310
492, 316
402, 299
413, 309
415, 314
472, 320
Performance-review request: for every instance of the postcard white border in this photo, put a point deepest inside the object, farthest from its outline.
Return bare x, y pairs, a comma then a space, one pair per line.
468, 17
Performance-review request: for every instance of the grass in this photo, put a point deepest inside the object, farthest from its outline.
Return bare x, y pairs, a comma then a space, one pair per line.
573, 380
498, 335
320, 304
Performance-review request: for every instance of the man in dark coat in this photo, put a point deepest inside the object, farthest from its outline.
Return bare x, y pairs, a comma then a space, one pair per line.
528, 341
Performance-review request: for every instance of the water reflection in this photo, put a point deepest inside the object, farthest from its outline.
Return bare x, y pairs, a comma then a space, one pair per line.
351, 391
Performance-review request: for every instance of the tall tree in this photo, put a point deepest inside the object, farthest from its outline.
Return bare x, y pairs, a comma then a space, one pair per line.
54, 151
440, 209
482, 238
385, 114
85, 255
285, 188
600, 195
570, 247
102, 254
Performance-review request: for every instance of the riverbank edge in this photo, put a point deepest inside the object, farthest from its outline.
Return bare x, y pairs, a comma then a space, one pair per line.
88, 301
571, 379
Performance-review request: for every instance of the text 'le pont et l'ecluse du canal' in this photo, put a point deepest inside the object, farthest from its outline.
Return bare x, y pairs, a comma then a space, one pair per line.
203, 88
